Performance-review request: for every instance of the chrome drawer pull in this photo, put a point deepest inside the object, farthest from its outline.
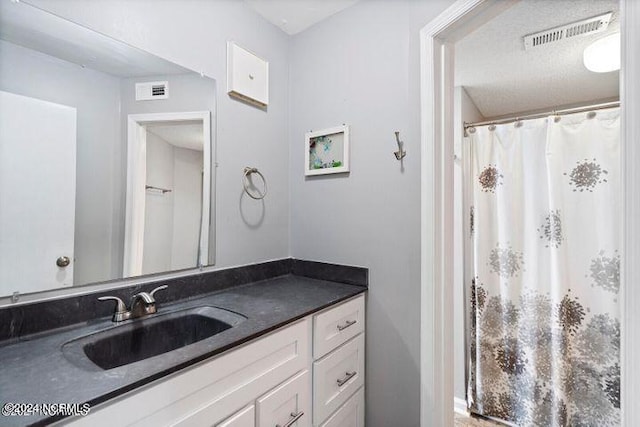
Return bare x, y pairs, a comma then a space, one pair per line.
347, 324
347, 377
292, 421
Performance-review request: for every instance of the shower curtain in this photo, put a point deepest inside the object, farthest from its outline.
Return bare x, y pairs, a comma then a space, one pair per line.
542, 270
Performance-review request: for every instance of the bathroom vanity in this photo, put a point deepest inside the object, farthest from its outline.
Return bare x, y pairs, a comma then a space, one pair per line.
266, 382
291, 355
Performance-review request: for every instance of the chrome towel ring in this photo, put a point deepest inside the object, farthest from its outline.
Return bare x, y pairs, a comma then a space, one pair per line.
245, 183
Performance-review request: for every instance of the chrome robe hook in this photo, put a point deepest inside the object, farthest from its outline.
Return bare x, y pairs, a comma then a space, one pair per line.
400, 153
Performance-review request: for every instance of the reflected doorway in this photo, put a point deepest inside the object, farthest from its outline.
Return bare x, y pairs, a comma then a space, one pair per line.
168, 192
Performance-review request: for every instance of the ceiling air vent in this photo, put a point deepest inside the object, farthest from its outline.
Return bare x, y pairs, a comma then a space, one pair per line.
592, 25
152, 90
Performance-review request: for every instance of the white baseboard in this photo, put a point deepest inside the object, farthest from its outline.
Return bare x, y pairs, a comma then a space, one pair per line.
460, 406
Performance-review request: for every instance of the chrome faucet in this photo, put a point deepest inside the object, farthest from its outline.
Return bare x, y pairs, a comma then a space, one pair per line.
142, 304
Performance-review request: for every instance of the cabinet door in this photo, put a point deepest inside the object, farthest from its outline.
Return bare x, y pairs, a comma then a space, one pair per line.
288, 405
351, 414
246, 417
336, 326
336, 377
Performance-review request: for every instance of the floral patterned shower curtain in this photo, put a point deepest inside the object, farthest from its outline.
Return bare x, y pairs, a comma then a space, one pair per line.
543, 270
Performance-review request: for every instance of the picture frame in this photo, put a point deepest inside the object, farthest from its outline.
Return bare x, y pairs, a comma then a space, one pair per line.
327, 151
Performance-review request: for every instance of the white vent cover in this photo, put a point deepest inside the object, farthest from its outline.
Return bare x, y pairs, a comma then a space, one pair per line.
592, 25
152, 90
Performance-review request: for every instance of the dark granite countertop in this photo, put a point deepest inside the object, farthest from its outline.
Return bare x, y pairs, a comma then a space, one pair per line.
34, 369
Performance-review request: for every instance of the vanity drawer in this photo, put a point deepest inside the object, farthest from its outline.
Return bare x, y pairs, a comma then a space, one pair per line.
336, 377
286, 403
246, 417
337, 326
351, 414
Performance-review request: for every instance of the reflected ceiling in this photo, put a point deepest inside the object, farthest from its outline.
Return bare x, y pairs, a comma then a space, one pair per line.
39, 30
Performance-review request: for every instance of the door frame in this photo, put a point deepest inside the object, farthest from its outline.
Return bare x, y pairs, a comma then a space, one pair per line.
136, 159
436, 299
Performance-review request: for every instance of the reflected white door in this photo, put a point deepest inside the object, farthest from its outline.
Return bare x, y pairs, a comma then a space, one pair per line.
37, 193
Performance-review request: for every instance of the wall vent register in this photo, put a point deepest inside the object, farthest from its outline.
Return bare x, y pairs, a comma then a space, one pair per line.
146, 91
584, 27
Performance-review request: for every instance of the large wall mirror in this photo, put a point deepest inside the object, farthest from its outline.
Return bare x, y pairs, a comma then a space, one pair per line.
106, 157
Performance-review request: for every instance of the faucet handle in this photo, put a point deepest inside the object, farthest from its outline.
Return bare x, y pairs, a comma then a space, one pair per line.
159, 288
148, 306
121, 312
119, 303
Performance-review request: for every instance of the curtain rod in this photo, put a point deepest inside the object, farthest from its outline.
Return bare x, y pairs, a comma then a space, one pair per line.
545, 114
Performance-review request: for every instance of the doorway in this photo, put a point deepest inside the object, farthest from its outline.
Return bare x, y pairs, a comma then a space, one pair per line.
437, 64
168, 192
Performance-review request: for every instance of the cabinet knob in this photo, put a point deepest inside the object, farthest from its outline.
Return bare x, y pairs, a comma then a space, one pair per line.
63, 261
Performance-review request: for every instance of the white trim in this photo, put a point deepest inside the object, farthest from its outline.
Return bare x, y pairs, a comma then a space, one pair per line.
136, 167
436, 366
436, 299
206, 191
135, 199
460, 406
630, 274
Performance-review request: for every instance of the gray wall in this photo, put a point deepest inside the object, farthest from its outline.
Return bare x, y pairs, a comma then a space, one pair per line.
98, 141
361, 67
194, 33
172, 219
159, 207
187, 197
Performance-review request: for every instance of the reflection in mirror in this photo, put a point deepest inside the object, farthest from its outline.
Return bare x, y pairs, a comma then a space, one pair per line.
173, 209
166, 196
67, 95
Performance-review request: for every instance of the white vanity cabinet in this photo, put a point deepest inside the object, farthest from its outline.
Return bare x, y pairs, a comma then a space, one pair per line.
337, 325
246, 417
351, 414
213, 392
287, 404
269, 382
338, 368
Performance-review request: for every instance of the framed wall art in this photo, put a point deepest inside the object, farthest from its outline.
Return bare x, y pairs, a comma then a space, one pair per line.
327, 151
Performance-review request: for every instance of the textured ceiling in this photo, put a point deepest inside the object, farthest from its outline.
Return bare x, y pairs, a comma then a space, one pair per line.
503, 79
293, 16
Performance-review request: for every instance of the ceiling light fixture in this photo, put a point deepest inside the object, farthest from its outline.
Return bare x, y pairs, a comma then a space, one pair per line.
603, 55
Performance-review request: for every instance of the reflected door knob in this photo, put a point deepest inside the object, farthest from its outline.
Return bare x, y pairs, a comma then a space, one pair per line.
63, 261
